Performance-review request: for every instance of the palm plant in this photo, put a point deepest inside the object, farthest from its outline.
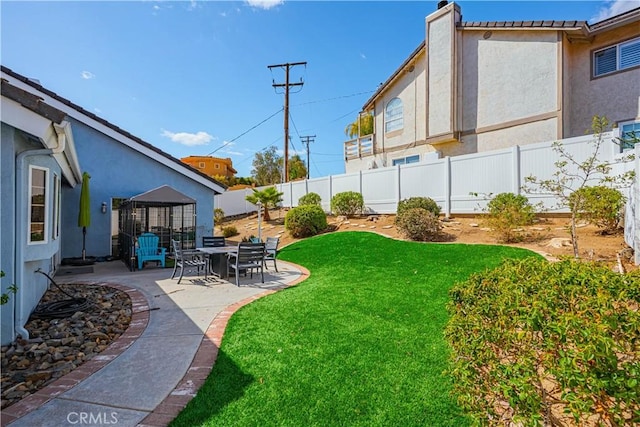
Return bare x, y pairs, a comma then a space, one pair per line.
364, 127
269, 198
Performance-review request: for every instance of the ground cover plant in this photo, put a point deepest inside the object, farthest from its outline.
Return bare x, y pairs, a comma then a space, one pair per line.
554, 344
359, 343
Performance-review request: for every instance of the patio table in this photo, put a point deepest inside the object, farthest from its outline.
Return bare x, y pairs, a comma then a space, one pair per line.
218, 259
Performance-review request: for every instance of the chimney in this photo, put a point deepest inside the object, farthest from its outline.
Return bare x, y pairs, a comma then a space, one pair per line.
442, 3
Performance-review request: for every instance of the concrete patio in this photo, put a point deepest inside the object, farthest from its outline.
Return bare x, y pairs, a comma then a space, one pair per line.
150, 373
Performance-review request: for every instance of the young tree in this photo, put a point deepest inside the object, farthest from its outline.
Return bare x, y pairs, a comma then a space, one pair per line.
267, 167
572, 175
297, 167
269, 198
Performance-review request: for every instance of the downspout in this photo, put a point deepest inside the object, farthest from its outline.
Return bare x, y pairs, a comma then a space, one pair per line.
20, 227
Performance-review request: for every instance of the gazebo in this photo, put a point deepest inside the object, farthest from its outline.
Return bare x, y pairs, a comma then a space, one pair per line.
163, 211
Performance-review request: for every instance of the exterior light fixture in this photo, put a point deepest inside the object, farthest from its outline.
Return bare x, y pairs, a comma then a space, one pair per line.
103, 208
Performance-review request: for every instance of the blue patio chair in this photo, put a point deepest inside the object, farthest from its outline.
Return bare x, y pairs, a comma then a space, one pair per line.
149, 250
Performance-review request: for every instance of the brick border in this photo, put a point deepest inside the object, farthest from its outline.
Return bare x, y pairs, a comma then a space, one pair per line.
139, 321
203, 361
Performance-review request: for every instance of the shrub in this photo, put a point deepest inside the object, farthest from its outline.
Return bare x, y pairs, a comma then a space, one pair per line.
533, 340
599, 205
305, 221
230, 231
309, 199
218, 216
426, 203
507, 212
347, 203
419, 224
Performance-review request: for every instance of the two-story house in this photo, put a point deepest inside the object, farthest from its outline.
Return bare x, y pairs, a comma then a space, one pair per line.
211, 166
478, 86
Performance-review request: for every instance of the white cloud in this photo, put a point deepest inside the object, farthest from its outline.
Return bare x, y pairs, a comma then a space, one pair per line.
193, 5
613, 8
363, 56
87, 75
188, 139
264, 4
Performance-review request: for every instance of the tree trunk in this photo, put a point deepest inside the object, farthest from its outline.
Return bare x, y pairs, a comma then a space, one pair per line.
574, 236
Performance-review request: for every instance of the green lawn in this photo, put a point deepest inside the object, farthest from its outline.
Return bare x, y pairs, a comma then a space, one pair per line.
358, 343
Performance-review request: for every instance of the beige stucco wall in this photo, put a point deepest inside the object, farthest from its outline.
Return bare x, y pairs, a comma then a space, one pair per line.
440, 79
508, 76
616, 96
529, 133
410, 88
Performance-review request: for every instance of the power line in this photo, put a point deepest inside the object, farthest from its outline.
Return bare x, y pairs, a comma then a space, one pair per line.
243, 133
334, 98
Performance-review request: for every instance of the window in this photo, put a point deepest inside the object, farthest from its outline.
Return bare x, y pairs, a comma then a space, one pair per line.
629, 135
56, 207
217, 166
406, 160
37, 204
201, 165
615, 58
393, 115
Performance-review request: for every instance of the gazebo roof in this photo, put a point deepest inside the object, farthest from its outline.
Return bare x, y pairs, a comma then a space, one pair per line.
163, 195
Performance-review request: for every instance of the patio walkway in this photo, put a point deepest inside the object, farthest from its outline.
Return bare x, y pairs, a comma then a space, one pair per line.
150, 373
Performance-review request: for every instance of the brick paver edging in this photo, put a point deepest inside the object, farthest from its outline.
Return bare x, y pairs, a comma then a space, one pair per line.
203, 361
139, 322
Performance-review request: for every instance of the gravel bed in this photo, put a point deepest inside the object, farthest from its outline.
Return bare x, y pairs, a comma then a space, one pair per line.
57, 346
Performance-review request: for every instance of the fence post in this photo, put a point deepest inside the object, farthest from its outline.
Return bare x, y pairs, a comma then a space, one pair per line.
515, 153
330, 191
447, 187
399, 187
636, 188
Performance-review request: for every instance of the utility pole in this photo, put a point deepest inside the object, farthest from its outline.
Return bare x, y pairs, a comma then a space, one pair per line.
286, 86
306, 140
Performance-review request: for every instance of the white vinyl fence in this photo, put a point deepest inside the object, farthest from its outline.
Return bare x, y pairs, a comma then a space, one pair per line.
632, 213
458, 184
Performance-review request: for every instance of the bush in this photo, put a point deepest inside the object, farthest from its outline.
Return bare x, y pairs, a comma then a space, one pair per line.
230, 231
419, 224
426, 203
309, 199
305, 221
347, 203
601, 206
534, 341
508, 211
218, 217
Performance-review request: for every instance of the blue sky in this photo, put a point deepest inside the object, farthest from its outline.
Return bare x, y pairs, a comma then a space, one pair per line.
192, 77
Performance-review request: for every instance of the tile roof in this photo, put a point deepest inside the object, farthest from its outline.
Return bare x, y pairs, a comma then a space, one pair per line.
39, 87
523, 24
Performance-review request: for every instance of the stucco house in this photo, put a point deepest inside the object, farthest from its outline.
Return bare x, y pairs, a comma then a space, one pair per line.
211, 166
479, 86
47, 143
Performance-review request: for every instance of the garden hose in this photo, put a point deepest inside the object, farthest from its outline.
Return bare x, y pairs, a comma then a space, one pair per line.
60, 309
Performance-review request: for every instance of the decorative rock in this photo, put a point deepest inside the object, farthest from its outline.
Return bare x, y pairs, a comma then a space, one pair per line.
473, 224
59, 346
559, 242
386, 227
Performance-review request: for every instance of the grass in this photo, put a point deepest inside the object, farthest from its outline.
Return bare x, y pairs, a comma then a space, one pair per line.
359, 343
